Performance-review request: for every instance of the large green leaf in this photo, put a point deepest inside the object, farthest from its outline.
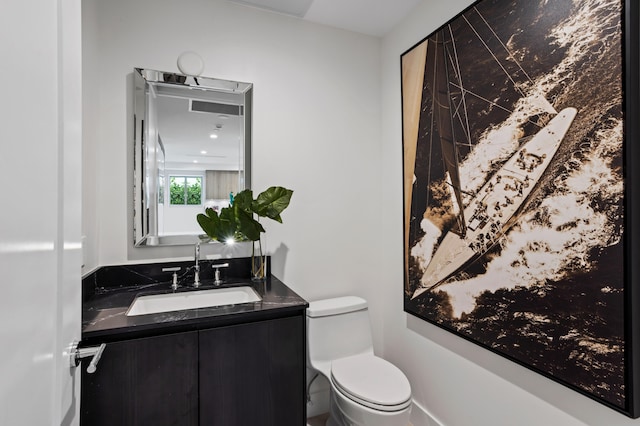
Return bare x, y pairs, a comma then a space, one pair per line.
219, 227
243, 200
209, 223
236, 221
272, 202
248, 226
228, 224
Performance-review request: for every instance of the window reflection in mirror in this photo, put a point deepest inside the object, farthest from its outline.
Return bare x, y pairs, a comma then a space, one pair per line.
192, 138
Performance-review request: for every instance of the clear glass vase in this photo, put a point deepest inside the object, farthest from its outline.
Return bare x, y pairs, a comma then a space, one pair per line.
258, 261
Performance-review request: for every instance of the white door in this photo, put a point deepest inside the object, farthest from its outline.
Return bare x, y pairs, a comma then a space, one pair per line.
40, 210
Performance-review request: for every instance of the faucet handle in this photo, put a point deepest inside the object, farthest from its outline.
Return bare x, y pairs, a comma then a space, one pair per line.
217, 280
174, 284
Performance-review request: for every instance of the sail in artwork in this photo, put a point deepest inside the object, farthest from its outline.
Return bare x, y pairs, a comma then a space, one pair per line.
483, 217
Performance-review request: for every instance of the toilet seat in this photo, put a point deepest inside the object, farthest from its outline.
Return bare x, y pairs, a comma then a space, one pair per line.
372, 382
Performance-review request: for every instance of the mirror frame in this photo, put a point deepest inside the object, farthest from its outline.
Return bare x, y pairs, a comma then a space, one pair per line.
145, 190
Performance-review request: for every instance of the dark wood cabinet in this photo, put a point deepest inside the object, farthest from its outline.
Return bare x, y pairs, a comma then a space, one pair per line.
243, 374
148, 381
253, 374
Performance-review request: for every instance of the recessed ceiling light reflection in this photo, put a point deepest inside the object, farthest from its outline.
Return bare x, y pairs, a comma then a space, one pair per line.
203, 152
213, 136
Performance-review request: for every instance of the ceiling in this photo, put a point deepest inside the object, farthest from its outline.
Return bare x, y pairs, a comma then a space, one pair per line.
370, 17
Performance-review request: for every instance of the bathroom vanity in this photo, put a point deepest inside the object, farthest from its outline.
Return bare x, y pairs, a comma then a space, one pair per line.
234, 364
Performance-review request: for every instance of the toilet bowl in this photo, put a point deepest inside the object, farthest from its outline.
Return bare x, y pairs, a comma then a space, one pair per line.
365, 389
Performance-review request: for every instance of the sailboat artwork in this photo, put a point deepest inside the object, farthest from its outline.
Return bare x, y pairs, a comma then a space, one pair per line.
494, 207
513, 131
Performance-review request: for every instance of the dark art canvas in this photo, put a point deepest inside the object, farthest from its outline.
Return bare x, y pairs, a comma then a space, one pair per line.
514, 186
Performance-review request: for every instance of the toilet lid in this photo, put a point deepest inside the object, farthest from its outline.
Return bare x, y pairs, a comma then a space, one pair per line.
371, 381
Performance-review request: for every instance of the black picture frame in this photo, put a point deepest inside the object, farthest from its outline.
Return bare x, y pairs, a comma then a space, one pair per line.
530, 249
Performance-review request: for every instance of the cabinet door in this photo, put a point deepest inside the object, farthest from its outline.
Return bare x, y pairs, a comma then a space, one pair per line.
253, 374
149, 381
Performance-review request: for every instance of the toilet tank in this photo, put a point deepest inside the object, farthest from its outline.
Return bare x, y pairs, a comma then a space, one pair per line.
337, 328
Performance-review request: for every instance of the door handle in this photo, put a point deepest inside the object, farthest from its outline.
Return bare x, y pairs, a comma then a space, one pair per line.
76, 354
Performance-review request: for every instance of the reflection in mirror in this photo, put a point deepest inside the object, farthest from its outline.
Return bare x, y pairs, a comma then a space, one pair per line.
192, 138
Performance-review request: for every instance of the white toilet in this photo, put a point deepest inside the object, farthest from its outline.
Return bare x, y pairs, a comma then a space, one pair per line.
365, 390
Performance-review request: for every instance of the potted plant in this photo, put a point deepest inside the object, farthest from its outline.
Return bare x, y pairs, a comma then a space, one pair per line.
238, 221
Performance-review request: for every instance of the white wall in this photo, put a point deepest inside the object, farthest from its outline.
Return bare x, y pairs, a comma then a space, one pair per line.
316, 128
455, 381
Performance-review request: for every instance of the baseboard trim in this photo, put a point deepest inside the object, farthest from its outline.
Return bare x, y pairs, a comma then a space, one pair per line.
420, 416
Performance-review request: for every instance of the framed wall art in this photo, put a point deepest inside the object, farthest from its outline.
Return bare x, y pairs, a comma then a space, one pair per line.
520, 144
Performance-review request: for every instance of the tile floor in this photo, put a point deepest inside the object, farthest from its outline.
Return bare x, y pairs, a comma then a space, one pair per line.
318, 420
322, 419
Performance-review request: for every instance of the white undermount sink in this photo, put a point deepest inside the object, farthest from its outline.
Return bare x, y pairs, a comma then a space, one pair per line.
169, 302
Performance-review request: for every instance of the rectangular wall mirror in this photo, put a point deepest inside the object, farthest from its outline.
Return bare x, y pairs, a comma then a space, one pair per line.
191, 150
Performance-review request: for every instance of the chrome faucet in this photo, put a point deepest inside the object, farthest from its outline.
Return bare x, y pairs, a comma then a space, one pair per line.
196, 275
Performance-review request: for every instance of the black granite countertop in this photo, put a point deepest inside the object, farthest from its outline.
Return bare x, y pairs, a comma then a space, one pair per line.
106, 302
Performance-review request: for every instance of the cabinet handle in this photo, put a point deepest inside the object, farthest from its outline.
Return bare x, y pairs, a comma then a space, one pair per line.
76, 354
